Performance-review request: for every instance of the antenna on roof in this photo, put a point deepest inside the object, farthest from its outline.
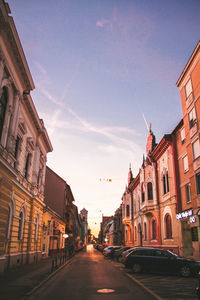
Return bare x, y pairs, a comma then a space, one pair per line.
145, 121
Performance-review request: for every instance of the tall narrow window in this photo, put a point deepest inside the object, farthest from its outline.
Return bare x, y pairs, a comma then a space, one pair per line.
196, 149
188, 88
198, 183
182, 135
127, 210
36, 228
28, 158
3, 105
154, 235
135, 233
142, 192
39, 178
168, 226
192, 117
187, 192
150, 191
165, 179
185, 163
21, 225
145, 231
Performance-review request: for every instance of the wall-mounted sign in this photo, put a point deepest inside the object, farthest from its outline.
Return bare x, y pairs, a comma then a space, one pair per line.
192, 219
184, 214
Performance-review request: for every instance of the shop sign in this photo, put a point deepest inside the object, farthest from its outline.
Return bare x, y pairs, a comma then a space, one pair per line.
185, 214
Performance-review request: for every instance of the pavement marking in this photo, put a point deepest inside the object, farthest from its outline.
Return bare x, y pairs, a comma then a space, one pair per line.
144, 287
105, 291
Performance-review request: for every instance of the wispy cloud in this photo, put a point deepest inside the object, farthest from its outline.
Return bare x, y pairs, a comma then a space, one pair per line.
115, 134
102, 23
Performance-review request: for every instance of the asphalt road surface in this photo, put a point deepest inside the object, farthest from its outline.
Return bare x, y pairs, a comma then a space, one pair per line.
90, 277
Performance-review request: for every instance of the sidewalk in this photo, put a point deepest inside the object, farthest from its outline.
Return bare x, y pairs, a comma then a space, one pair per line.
16, 283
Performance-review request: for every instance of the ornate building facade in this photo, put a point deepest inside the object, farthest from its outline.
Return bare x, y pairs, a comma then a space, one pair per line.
24, 144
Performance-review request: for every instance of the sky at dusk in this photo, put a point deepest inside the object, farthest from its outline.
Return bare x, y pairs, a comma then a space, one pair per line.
103, 69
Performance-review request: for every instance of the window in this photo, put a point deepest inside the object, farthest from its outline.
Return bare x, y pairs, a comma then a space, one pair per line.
135, 233
196, 149
165, 180
182, 135
3, 105
28, 159
127, 210
150, 191
39, 177
192, 118
142, 192
198, 183
188, 89
36, 228
168, 226
145, 231
194, 233
187, 192
154, 230
21, 226
185, 163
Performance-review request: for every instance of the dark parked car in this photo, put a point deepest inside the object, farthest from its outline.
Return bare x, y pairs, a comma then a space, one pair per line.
118, 253
162, 261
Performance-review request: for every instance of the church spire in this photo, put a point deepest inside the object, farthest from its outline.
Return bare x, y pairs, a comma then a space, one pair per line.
130, 175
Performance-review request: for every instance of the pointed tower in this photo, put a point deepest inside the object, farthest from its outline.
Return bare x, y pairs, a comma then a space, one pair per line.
151, 141
130, 175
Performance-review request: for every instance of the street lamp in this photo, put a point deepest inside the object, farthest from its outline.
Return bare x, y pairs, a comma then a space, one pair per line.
65, 235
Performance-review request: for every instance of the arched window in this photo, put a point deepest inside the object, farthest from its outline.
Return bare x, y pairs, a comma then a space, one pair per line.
145, 231
150, 191
3, 105
168, 226
21, 225
154, 233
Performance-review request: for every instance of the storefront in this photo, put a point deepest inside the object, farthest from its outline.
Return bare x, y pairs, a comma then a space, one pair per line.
190, 233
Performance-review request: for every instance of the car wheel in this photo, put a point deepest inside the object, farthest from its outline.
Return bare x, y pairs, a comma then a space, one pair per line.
137, 268
185, 271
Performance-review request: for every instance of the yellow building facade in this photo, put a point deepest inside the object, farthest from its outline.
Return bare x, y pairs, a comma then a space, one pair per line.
24, 144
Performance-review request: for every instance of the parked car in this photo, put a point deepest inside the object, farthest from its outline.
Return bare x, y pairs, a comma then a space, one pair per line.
118, 252
161, 261
108, 252
124, 254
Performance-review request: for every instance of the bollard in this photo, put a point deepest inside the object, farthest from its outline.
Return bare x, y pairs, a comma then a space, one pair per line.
198, 287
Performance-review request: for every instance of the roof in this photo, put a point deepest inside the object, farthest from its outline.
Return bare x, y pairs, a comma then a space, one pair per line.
197, 48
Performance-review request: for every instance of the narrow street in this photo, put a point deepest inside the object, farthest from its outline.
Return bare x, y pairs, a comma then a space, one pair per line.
86, 276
